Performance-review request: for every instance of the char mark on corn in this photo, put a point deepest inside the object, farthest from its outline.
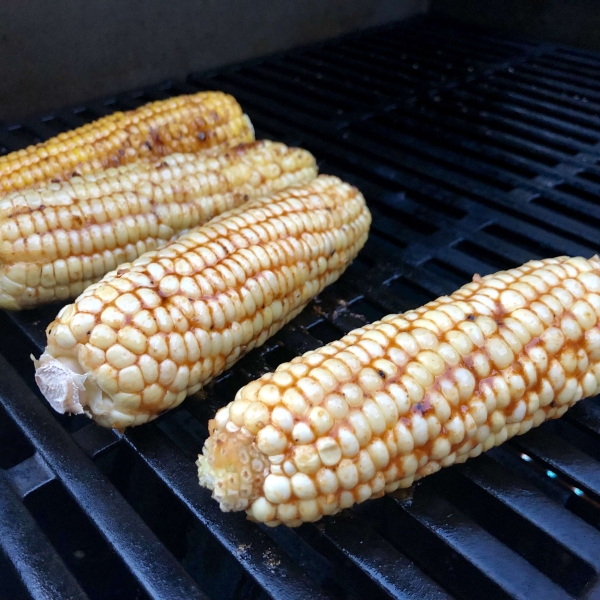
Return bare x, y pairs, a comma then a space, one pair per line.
56, 241
181, 124
154, 331
399, 399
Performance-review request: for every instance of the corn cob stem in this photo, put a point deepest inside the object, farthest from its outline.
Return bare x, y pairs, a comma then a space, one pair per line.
399, 399
181, 124
57, 241
154, 331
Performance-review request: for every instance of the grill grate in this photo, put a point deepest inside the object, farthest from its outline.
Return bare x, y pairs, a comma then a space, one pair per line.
476, 153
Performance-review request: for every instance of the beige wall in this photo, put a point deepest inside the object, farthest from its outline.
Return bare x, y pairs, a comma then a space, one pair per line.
58, 52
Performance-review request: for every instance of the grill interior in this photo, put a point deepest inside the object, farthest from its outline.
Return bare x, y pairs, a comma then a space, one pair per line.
476, 153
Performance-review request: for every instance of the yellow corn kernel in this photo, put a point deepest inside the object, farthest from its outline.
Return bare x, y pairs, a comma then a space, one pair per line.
56, 241
181, 124
493, 360
146, 336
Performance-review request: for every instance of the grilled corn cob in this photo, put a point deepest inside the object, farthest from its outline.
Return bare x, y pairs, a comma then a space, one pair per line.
399, 399
154, 331
56, 241
181, 124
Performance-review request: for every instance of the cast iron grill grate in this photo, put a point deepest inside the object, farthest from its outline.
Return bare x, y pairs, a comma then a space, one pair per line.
476, 153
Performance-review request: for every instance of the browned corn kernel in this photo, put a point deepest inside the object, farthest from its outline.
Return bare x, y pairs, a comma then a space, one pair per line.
181, 124
56, 241
399, 399
154, 331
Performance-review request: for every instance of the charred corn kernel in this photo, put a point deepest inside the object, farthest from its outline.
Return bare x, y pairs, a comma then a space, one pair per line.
56, 241
139, 341
399, 399
181, 124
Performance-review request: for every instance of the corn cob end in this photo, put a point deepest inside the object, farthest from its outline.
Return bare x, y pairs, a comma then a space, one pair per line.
68, 389
232, 467
60, 383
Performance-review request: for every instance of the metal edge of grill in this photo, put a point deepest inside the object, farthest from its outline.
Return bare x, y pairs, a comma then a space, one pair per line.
476, 153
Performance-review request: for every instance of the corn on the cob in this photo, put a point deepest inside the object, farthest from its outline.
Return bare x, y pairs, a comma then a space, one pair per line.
56, 241
152, 332
399, 399
181, 124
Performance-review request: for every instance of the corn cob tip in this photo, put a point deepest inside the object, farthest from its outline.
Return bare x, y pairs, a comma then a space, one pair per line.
60, 384
232, 467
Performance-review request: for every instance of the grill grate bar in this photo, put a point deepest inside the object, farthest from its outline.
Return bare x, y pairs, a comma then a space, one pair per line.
328, 63
564, 458
501, 176
267, 564
542, 217
518, 121
482, 132
586, 416
556, 522
29, 475
565, 64
538, 528
560, 76
380, 561
153, 567
496, 147
558, 563
95, 440
31, 553
502, 568
492, 173
561, 108
547, 89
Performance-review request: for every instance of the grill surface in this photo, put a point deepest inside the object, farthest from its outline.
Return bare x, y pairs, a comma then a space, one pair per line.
475, 153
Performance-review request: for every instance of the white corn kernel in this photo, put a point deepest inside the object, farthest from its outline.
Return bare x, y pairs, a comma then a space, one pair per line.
347, 474
302, 434
303, 486
329, 450
306, 459
271, 440
277, 488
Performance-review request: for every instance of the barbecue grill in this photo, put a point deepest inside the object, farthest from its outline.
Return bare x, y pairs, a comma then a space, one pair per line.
476, 153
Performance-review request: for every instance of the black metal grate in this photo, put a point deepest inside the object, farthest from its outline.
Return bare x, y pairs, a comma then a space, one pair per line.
476, 153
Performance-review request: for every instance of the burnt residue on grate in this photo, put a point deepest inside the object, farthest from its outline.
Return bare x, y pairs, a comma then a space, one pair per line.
475, 153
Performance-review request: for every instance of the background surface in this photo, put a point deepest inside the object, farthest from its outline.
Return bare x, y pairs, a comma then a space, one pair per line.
573, 22
68, 51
